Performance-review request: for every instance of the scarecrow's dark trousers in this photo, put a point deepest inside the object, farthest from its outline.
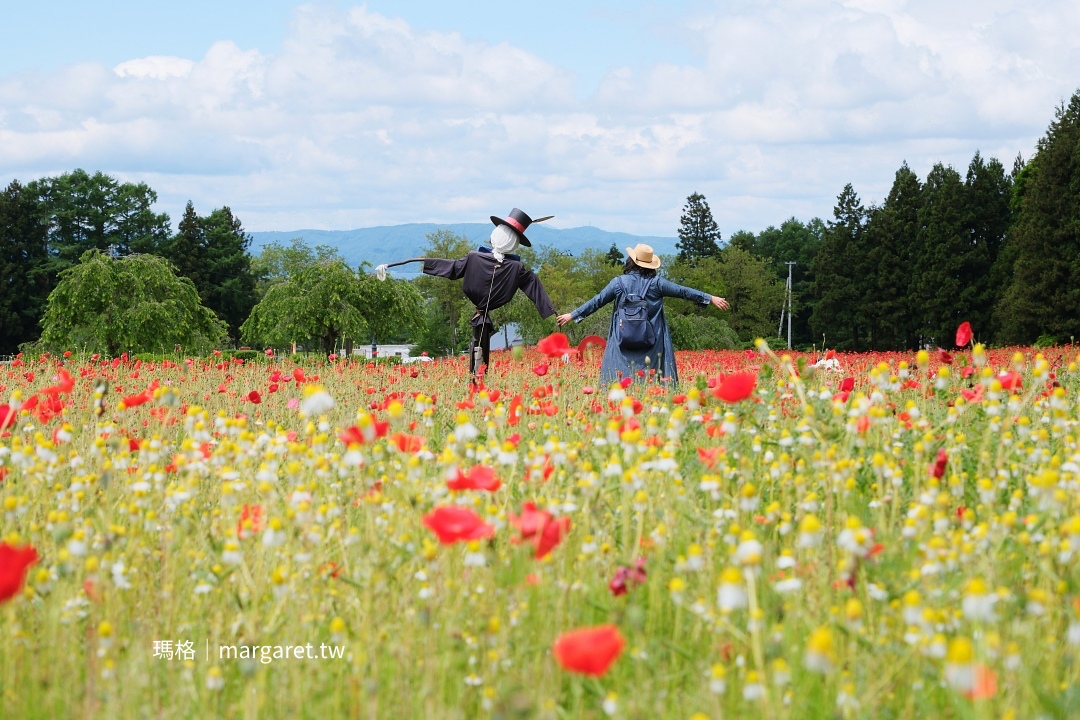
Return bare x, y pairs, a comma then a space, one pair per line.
481, 335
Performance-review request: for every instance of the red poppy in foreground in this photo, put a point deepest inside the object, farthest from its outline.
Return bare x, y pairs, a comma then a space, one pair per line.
589, 651
406, 443
735, 387
539, 527
454, 524
480, 477
14, 562
590, 341
963, 334
554, 345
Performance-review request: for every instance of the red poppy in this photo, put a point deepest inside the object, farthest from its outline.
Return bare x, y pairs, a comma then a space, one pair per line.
135, 400
14, 562
847, 384
408, 443
963, 334
250, 522
626, 577
737, 386
7, 416
589, 651
942, 460
1011, 380
298, 375
541, 369
479, 477
709, 456
590, 341
554, 345
552, 534
530, 522
985, 684
513, 416
254, 397
453, 524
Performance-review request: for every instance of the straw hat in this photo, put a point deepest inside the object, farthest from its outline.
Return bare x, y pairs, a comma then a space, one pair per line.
644, 256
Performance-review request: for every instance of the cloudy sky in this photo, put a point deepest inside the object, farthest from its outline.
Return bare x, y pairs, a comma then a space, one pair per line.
601, 112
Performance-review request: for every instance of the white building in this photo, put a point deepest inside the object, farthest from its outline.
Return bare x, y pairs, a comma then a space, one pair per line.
401, 351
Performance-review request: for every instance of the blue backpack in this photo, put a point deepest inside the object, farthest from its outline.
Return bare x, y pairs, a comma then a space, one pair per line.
632, 321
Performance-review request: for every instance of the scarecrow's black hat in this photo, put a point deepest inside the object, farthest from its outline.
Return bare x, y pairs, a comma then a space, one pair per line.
519, 221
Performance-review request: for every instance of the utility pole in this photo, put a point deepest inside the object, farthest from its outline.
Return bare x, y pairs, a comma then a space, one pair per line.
790, 301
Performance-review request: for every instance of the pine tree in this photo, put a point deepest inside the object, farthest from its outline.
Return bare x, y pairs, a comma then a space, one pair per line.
939, 299
892, 231
699, 235
187, 251
229, 289
840, 280
988, 190
24, 267
615, 256
1043, 297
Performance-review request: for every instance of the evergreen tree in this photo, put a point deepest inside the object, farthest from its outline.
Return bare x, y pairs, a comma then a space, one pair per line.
892, 236
940, 301
24, 267
988, 191
699, 235
839, 278
615, 256
96, 212
229, 287
188, 249
1043, 297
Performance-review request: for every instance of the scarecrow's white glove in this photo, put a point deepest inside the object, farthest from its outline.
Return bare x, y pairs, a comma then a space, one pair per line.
380, 272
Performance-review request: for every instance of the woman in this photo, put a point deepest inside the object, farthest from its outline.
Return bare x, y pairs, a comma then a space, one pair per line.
639, 284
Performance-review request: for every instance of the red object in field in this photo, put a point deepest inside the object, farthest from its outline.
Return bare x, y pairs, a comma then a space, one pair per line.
455, 524
14, 562
589, 651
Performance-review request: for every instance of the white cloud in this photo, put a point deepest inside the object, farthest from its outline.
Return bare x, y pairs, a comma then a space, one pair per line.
362, 119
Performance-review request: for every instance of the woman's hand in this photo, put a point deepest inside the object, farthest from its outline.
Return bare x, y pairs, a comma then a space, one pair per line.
719, 302
564, 318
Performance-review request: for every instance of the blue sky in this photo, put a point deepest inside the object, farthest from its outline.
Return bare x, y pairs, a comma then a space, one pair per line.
342, 115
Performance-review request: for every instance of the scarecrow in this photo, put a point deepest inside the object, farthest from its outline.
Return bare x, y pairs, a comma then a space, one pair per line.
491, 277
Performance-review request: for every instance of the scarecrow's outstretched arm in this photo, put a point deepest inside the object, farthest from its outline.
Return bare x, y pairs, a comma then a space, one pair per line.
380, 270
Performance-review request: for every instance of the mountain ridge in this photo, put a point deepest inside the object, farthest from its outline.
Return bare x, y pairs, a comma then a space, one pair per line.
389, 243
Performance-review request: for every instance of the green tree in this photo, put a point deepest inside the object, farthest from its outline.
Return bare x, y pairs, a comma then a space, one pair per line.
134, 303
447, 295
615, 256
839, 278
940, 300
699, 235
1043, 297
97, 212
754, 292
277, 263
892, 236
325, 303
797, 242
213, 252
24, 267
230, 287
988, 192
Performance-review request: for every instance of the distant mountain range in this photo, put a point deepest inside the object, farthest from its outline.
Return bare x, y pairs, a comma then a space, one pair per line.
388, 243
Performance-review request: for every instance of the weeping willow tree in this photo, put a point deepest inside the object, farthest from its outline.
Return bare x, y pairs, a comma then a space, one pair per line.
134, 303
326, 301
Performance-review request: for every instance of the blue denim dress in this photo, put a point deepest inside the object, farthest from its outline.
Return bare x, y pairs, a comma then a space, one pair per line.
619, 363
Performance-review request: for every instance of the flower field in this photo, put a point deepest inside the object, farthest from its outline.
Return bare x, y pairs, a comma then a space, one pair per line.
882, 536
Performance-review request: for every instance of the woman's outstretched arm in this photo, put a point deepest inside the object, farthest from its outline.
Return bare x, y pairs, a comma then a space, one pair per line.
590, 306
670, 289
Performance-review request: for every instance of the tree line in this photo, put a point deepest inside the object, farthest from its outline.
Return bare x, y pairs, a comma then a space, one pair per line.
86, 262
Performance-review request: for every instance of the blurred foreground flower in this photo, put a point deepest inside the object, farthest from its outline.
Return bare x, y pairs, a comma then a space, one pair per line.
14, 562
589, 651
